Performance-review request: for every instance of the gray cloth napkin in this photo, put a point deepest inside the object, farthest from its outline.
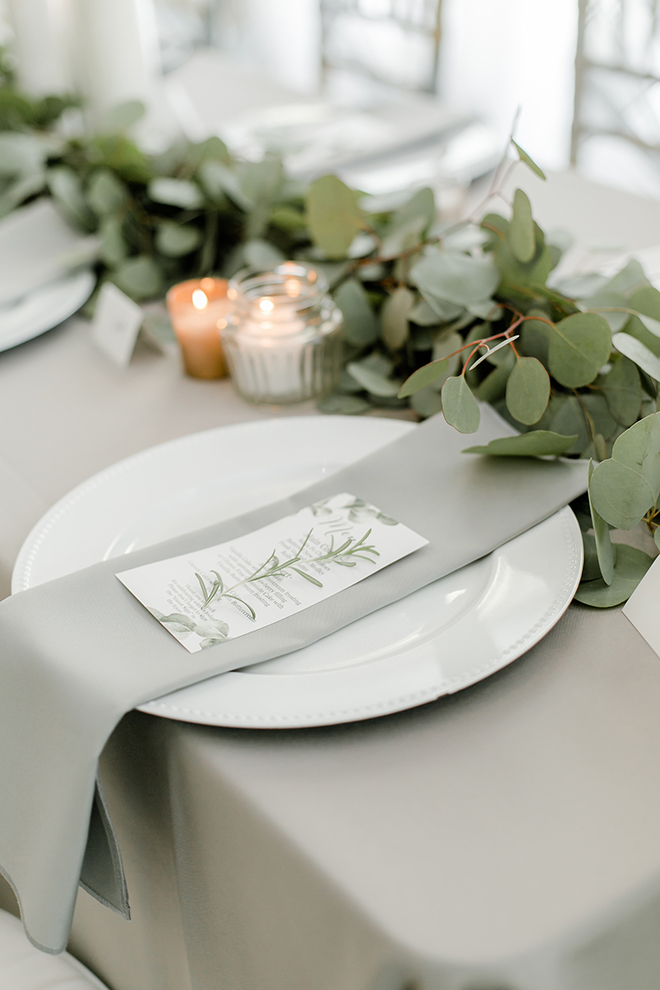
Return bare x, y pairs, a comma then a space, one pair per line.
77, 653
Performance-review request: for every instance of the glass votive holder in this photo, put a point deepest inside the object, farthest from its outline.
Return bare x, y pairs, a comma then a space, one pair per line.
198, 310
282, 340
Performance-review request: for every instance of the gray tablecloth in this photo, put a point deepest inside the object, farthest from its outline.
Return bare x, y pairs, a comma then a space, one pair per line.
505, 837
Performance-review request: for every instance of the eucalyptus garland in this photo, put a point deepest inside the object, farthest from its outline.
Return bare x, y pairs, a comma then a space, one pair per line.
437, 317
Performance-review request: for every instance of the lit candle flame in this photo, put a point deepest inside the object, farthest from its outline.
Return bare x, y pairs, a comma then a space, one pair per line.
199, 299
266, 305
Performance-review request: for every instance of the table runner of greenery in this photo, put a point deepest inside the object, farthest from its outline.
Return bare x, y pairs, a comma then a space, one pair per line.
436, 316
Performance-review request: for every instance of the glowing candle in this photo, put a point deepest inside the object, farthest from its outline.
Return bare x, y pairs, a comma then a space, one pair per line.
198, 309
283, 336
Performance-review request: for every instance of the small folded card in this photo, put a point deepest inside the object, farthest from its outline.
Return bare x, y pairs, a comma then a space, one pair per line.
642, 607
248, 583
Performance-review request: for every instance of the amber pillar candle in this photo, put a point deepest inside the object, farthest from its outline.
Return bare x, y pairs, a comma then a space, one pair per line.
198, 309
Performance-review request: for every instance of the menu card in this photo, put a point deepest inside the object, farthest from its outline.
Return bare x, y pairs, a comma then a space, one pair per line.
225, 591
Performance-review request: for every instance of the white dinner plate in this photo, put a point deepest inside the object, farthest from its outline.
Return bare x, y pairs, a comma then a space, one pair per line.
44, 309
445, 637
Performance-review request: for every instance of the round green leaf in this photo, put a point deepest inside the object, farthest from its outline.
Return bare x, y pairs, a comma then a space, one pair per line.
521, 228
113, 248
622, 391
394, 317
175, 192
21, 154
646, 300
639, 353
630, 566
529, 162
346, 405
360, 324
603, 543
176, 240
579, 346
619, 494
372, 381
536, 443
423, 377
105, 193
333, 215
427, 402
139, 278
527, 390
612, 306
459, 406
455, 278
66, 188
639, 448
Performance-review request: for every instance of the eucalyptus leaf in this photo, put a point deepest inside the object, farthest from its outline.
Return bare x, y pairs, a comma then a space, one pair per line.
427, 402
493, 387
459, 406
529, 162
403, 238
218, 181
66, 189
426, 315
262, 181
630, 567
630, 278
372, 381
176, 192
20, 190
346, 405
656, 537
423, 377
333, 215
622, 391
446, 345
591, 567
639, 353
21, 154
420, 206
521, 228
140, 278
394, 317
535, 335
536, 443
579, 346
613, 306
177, 240
528, 390
653, 326
454, 278
624, 487
646, 300
360, 323
105, 193
604, 548
113, 248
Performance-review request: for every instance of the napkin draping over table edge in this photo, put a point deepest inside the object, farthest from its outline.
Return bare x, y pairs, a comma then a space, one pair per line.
79, 652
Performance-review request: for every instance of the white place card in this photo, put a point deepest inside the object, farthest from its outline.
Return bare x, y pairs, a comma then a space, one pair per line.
116, 324
225, 591
642, 607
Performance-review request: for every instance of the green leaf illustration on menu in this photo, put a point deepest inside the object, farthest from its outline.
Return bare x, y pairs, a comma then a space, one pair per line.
345, 555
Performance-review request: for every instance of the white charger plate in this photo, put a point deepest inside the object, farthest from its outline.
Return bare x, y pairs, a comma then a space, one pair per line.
44, 309
444, 637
